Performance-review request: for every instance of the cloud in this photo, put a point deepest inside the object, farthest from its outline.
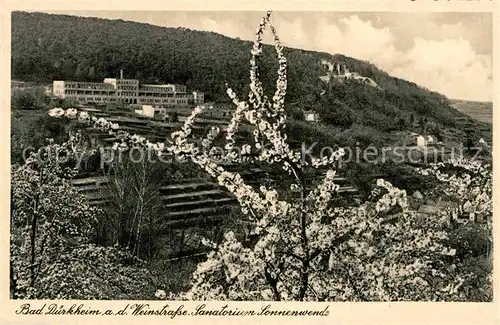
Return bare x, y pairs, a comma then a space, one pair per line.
293, 33
226, 27
360, 39
448, 65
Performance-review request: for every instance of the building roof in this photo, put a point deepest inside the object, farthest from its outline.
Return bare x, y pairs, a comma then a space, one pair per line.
159, 86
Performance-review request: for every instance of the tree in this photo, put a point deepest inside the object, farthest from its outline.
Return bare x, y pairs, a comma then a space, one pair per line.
132, 216
53, 251
80, 71
412, 119
306, 249
23, 100
31, 131
421, 121
468, 183
92, 74
401, 123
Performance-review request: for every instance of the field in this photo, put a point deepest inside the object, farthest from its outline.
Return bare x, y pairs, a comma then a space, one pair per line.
480, 111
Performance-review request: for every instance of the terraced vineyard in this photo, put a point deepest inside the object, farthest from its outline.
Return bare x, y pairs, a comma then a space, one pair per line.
191, 208
186, 202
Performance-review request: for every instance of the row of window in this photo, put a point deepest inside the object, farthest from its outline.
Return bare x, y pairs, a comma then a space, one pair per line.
111, 96
127, 81
89, 92
93, 99
158, 89
164, 94
128, 87
145, 94
95, 86
152, 100
128, 93
171, 106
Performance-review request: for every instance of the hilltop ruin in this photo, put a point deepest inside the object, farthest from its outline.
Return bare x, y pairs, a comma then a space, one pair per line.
339, 72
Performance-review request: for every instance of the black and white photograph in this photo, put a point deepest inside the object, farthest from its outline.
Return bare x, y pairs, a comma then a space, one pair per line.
313, 156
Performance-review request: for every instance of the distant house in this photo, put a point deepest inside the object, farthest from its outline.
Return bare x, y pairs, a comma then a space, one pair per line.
423, 141
420, 139
198, 97
485, 144
311, 116
18, 85
146, 111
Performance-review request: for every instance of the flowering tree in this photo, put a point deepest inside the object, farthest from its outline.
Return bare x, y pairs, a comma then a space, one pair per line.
468, 184
53, 254
307, 249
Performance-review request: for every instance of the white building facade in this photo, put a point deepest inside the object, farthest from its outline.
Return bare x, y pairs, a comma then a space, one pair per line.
126, 91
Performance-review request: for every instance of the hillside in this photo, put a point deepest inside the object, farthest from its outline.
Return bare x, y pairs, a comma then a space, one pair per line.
47, 47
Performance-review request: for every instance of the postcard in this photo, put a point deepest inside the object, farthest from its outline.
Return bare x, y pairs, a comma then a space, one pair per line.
244, 162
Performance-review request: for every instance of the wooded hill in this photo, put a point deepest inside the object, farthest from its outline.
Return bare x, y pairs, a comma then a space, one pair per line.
47, 47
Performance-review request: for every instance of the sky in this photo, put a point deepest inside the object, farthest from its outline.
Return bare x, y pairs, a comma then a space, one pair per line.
444, 51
